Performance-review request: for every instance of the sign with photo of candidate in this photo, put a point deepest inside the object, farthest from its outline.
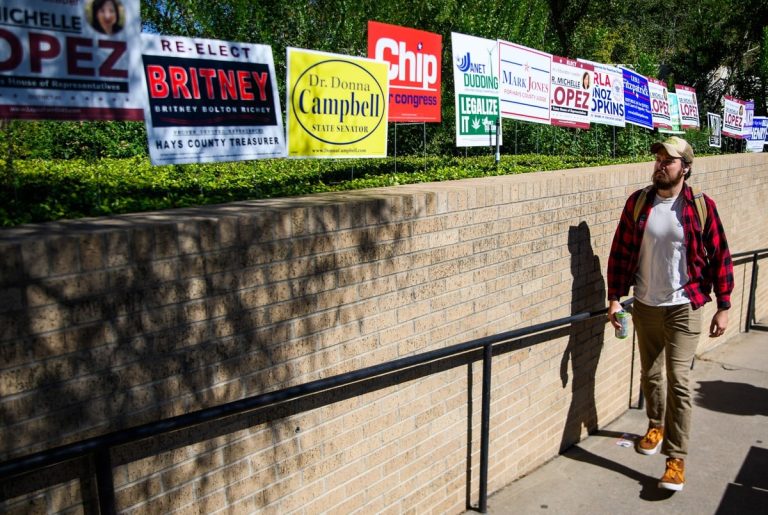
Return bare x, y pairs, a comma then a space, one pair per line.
73, 60
659, 104
476, 84
734, 117
689, 107
571, 92
414, 58
210, 100
337, 105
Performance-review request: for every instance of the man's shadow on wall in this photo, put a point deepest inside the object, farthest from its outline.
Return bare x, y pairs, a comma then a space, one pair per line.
586, 340
584, 348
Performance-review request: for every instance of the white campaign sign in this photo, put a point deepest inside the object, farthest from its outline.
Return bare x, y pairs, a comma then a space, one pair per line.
715, 129
571, 91
476, 83
525, 83
70, 60
689, 107
659, 104
734, 117
210, 100
607, 103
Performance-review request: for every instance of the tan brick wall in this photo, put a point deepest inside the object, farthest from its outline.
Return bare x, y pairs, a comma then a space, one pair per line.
110, 323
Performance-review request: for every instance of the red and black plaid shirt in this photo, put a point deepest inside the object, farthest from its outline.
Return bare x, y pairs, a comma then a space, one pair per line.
708, 258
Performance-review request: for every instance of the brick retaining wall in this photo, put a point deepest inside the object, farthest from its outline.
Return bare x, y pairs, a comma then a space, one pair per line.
109, 323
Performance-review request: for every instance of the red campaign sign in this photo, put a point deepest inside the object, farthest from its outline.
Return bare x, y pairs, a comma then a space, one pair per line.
571, 86
660, 113
414, 58
689, 109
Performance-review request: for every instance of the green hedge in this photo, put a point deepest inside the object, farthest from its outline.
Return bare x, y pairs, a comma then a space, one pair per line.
44, 190
101, 181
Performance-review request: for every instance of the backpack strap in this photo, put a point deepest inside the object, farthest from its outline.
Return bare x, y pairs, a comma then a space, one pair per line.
701, 207
640, 202
698, 201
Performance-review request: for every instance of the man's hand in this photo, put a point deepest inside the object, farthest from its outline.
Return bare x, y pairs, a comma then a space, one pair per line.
719, 323
613, 308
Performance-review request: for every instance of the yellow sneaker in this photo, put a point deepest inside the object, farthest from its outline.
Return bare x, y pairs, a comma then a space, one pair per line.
651, 442
674, 476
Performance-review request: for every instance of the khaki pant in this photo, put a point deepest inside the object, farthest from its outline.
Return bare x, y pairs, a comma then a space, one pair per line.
667, 340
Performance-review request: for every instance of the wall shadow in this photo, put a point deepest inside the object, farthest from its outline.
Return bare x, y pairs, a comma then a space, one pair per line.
733, 398
82, 469
193, 311
586, 338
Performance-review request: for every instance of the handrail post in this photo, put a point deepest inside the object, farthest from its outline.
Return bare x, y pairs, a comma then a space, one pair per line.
104, 482
752, 290
485, 427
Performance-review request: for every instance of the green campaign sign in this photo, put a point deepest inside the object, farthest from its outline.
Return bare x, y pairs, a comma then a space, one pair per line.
477, 115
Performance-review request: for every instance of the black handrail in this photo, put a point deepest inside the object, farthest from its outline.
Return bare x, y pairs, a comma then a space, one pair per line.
100, 446
749, 253
755, 254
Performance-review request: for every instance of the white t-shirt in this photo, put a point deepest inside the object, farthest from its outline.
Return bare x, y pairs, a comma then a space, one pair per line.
663, 269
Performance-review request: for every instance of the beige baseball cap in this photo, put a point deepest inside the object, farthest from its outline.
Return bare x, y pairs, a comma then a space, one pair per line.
675, 147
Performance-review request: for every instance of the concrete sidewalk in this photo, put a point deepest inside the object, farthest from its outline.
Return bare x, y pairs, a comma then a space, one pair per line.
726, 472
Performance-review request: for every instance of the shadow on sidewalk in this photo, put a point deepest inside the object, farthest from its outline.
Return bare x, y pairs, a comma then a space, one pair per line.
649, 485
749, 492
650, 490
732, 398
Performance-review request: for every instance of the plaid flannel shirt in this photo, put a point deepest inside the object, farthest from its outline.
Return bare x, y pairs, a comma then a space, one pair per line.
708, 258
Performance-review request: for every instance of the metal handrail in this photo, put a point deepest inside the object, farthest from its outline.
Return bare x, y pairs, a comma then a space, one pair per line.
755, 254
749, 253
100, 446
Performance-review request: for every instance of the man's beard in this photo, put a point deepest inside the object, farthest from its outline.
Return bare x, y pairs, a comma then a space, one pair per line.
662, 182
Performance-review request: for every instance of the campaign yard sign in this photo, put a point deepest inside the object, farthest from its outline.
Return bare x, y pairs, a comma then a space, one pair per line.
337, 105
66, 60
746, 129
414, 58
659, 104
476, 83
524, 91
607, 102
571, 92
758, 134
689, 107
674, 116
734, 117
210, 100
715, 129
637, 100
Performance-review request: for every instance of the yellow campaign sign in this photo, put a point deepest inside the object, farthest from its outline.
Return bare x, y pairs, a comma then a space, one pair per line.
337, 105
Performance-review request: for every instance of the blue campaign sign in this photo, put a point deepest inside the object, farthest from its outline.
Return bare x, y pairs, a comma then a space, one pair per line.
758, 134
637, 99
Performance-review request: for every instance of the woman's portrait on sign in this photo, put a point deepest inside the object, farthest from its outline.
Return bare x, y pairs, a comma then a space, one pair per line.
106, 16
586, 80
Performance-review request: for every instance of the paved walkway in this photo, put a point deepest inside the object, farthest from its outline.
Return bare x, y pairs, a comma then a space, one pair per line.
727, 469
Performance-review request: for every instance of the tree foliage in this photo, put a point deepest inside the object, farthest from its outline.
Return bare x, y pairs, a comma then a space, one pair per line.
716, 46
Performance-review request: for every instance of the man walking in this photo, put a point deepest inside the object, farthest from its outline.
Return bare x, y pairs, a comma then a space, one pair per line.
671, 245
